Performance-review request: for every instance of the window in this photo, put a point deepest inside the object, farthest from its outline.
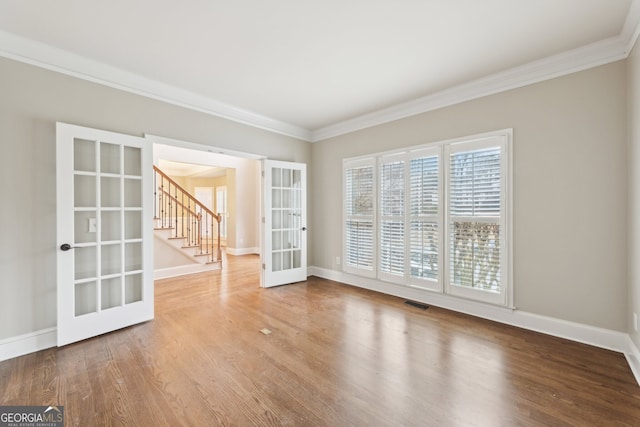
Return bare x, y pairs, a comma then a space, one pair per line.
392, 227
476, 215
435, 218
424, 218
359, 183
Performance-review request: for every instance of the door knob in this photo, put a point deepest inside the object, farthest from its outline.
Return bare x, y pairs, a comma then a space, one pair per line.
304, 228
65, 247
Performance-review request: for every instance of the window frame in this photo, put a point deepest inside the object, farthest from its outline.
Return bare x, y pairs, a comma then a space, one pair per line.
357, 164
429, 284
504, 297
389, 159
443, 149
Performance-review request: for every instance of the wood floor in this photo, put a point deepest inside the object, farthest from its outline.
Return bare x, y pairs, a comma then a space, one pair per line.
337, 356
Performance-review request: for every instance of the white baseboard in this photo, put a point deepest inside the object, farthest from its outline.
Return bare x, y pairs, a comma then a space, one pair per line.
633, 358
243, 251
182, 270
586, 334
28, 343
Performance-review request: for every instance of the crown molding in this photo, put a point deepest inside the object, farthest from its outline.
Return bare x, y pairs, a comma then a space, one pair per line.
572, 61
593, 55
631, 28
62, 61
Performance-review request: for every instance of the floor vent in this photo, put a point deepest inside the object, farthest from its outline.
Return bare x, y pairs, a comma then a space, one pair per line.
419, 305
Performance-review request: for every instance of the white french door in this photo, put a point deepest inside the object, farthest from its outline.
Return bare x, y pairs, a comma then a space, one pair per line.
284, 254
104, 226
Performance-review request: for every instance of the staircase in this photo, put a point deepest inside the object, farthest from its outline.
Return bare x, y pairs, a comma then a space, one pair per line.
185, 221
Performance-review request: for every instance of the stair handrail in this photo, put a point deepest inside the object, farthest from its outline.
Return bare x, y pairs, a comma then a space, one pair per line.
197, 216
179, 202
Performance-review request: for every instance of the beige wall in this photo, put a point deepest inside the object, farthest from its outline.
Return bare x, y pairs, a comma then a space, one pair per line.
570, 180
31, 101
633, 91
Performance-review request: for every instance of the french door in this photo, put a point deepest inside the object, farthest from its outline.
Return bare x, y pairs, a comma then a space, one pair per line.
104, 226
284, 254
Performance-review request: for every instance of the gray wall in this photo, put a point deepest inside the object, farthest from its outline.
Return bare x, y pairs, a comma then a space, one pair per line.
31, 101
570, 188
634, 190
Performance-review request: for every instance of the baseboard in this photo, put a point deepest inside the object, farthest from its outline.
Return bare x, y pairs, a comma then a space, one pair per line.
243, 251
28, 343
633, 358
183, 270
586, 334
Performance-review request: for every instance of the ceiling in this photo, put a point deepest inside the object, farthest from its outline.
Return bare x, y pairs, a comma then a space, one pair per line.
314, 69
190, 170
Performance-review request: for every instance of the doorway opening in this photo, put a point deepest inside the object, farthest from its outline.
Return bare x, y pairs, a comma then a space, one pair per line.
227, 183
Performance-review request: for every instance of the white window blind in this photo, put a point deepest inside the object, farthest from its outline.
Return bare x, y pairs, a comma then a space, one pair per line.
435, 217
476, 218
359, 181
424, 217
392, 191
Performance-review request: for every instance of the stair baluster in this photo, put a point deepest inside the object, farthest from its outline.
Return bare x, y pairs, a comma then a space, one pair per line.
188, 218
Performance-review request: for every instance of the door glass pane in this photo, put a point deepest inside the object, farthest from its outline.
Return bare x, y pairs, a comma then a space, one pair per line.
276, 198
132, 193
132, 288
133, 256
276, 243
84, 155
111, 293
109, 158
297, 179
85, 262
85, 298
84, 191
276, 261
286, 178
110, 257
132, 161
110, 192
286, 198
82, 225
295, 238
276, 220
276, 174
297, 260
286, 260
286, 239
296, 222
286, 219
110, 225
133, 225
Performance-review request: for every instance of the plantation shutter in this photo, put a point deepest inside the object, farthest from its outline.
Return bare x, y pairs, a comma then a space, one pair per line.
424, 218
476, 218
359, 234
392, 210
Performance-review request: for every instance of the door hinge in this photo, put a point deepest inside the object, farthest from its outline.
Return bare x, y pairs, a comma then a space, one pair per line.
264, 267
263, 220
262, 174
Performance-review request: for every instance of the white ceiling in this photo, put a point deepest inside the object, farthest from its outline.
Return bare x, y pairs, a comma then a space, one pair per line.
190, 170
312, 69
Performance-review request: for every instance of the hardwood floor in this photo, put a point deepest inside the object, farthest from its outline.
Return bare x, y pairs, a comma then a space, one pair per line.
337, 356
